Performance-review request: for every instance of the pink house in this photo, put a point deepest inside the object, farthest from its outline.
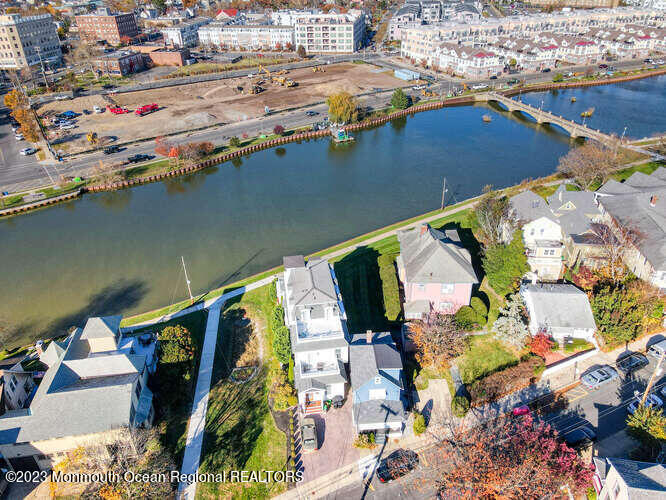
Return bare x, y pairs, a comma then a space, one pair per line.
435, 270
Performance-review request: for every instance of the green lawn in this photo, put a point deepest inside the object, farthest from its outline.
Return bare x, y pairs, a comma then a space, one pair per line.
484, 356
240, 432
546, 191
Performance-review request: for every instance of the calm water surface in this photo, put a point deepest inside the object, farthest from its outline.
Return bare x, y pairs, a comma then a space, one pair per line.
119, 253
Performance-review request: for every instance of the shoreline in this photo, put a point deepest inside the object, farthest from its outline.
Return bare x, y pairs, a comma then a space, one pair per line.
465, 100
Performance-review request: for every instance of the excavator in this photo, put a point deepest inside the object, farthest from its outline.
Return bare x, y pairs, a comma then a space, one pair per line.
92, 137
279, 80
318, 69
428, 93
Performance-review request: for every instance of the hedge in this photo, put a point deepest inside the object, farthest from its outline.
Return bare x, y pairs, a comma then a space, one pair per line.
389, 286
479, 306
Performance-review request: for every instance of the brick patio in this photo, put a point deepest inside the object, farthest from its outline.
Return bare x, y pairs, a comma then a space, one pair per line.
336, 437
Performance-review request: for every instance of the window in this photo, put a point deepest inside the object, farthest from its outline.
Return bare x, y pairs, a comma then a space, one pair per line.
447, 288
377, 394
338, 354
421, 288
137, 389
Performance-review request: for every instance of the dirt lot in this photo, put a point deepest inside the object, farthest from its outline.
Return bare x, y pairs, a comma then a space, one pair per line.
197, 105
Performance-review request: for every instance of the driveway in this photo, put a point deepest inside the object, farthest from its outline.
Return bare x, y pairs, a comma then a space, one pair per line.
336, 438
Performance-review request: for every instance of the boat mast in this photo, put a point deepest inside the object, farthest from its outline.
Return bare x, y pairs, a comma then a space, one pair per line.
187, 280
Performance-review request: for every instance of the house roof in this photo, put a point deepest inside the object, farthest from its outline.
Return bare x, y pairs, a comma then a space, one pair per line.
101, 327
432, 256
379, 411
319, 382
574, 209
309, 284
640, 204
78, 394
558, 305
367, 361
529, 206
644, 480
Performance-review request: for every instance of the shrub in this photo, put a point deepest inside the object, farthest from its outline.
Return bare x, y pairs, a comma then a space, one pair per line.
459, 406
234, 142
272, 292
505, 264
399, 100
419, 424
390, 291
498, 384
277, 318
176, 345
290, 371
282, 345
468, 319
479, 306
366, 440
278, 130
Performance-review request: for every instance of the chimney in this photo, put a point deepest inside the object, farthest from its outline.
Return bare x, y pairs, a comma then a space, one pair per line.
368, 336
39, 347
653, 200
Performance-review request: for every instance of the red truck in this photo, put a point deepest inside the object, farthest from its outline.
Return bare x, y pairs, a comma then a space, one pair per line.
148, 108
117, 110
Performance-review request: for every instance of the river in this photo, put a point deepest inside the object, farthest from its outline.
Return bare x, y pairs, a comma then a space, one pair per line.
119, 253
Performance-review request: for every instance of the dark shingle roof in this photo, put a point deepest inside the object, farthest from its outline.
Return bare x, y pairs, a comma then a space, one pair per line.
367, 361
643, 479
379, 411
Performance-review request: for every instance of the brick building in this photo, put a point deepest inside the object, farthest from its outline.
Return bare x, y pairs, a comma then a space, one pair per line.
159, 56
103, 25
120, 63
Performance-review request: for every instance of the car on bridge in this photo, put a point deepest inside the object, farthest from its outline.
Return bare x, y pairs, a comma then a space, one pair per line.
599, 377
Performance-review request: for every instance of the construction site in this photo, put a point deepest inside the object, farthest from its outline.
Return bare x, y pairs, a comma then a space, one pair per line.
199, 105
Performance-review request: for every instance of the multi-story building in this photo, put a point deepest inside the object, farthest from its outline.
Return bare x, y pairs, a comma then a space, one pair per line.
468, 61
28, 41
103, 25
184, 34
94, 389
288, 17
330, 33
316, 318
259, 37
120, 63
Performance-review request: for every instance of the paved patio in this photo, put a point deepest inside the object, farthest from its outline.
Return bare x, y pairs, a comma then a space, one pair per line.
336, 438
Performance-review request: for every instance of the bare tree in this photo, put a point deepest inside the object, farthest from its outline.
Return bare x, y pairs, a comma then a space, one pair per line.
81, 53
438, 339
588, 164
493, 212
617, 243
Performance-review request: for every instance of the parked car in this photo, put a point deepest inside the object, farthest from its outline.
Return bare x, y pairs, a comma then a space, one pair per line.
311, 113
111, 149
545, 70
513, 81
579, 436
480, 86
398, 464
521, 410
309, 434
15, 128
97, 109
660, 62
634, 361
19, 137
68, 114
62, 97
652, 401
648, 60
67, 126
494, 77
603, 66
657, 350
599, 377
86, 112
138, 157
28, 151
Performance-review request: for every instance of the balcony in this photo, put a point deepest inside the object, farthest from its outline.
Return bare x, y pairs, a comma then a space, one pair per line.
320, 368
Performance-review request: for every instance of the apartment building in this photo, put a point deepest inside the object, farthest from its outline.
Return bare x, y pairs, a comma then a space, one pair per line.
330, 33
468, 61
185, 34
259, 37
103, 25
95, 388
578, 4
28, 41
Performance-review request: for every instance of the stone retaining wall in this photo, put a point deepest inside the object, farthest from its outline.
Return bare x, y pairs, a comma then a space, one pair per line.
40, 203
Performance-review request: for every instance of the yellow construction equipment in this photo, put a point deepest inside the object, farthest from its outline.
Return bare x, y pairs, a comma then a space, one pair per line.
92, 137
282, 72
428, 93
319, 69
255, 89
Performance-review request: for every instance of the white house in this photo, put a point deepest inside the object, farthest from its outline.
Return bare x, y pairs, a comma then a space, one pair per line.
559, 310
316, 318
468, 61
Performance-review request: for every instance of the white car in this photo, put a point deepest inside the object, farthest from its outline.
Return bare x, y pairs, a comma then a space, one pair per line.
97, 109
479, 87
19, 137
28, 151
418, 87
652, 401
62, 97
660, 62
67, 126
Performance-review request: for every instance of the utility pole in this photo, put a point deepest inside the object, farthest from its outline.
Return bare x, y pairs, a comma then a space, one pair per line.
187, 280
656, 372
41, 63
443, 192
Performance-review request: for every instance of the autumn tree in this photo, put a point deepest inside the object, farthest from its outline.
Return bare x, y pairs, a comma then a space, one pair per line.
507, 458
585, 278
162, 146
616, 244
494, 216
648, 425
343, 107
278, 130
438, 339
301, 51
511, 326
81, 53
588, 164
541, 344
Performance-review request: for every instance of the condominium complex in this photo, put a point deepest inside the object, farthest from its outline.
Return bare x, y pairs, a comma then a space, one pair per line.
185, 34
259, 37
103, 25
330, 32
25, 41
